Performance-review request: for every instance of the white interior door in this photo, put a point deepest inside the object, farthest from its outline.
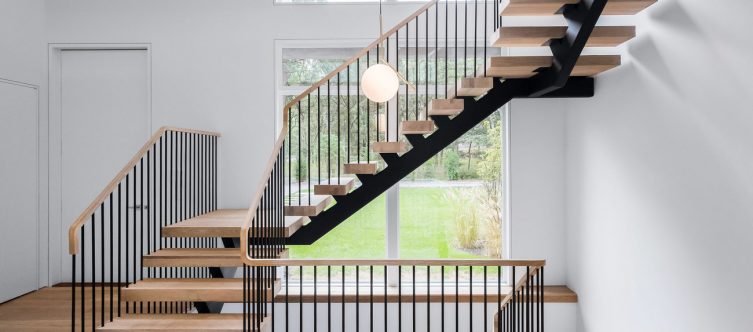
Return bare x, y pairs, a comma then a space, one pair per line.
18, 190
105, 119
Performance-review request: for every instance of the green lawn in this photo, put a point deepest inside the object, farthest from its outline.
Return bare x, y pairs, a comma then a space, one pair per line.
426, 223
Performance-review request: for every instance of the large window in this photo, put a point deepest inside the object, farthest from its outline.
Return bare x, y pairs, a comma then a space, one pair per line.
451, 207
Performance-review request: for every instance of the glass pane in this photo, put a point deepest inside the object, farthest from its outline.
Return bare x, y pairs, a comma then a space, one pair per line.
451, 207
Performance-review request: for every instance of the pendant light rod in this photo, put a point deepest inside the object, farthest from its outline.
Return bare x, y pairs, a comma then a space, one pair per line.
382, 59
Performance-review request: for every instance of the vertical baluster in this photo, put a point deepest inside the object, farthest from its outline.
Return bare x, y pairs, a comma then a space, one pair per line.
486, 41
73, 293
318, 135
83, 279
475, 36
315, 302
426, 66
300, 298
436, 52
112, 261
447, 51
329, 136
457, 291
287, 299
499, 296
308, 146
102, 263
400, 292
371, 298
385, 299
342, 298
94, 273
339, 161
428, 294
485, 299
465, 39
470, 296
387, 103
358, 110
300, 133
407, 68
329, 298
456, 51
120, 243
127, 242
415, 50
413, 268
513, 300
358, 298
441, 301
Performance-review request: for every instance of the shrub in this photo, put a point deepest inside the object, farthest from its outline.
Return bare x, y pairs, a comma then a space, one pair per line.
452, 164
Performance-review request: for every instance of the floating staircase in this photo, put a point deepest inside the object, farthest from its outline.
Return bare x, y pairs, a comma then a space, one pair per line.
181, 222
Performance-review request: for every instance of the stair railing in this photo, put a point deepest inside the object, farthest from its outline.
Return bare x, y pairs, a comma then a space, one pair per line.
172, 177
348, 295
331, 124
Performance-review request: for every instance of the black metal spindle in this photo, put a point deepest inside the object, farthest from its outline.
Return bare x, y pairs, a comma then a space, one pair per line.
83, 279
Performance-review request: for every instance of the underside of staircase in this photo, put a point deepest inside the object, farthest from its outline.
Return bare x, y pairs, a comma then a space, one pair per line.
194, 277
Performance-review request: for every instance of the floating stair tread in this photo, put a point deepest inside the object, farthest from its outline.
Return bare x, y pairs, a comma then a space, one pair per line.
474, 86
417, 127
627, 7
221, 223
332, 187
308, 205
178, 322
446, 106
389, 147
228, 290
360, 168
527, 66
197, 257
552, 7
602, 36
532, 7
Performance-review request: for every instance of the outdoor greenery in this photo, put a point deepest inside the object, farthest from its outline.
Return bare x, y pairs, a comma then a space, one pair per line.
445, 218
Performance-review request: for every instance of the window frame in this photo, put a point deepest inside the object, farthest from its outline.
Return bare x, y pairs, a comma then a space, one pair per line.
392, 236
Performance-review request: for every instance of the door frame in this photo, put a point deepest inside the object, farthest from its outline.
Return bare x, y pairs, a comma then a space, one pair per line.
41, 266
58, 228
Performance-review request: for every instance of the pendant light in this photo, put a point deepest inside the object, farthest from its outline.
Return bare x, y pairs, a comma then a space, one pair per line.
381, 81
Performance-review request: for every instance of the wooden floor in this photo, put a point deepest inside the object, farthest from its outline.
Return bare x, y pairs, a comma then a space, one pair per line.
48, 309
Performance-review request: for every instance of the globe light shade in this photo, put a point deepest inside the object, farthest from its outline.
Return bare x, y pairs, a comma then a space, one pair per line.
379, 83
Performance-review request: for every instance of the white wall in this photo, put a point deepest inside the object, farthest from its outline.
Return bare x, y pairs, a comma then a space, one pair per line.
659, 181
22, 60
537, 184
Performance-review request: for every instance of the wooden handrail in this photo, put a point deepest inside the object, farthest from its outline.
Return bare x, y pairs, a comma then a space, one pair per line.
256, 199
86, 214
394, 262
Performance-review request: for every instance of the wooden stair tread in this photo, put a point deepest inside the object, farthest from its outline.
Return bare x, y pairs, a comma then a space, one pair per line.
417, 127
474, 86
602, 36
446, 106
389, 147
307, 205
228, 290
527, 66
332, 187
197, 257
222, 223
177, 322
552, 7
360, 168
